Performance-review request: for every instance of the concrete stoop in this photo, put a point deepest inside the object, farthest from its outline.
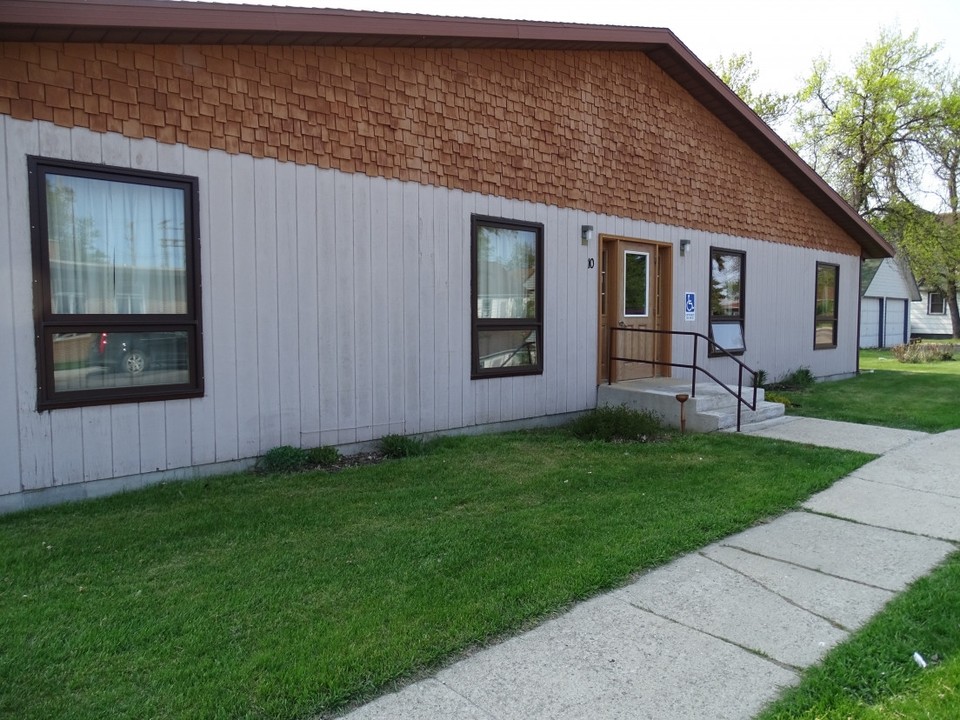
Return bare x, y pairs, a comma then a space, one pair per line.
712, 409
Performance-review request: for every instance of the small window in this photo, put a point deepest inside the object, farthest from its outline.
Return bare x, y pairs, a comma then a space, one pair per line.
727, 275
825, 320
116, 260
936, 304
507, 297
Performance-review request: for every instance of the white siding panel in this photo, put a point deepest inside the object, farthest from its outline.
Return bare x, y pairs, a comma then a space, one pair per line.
328, 308
36, 451
203, 433
245, 305
222, 361
153, 437
457, 320
287, 286
67, 437
178, 433
379, 308
396, 330
125, 439
922, 323
411, 307
267, 311
362, 274
308, 310
888, 282
55, 142
440, 305
10, 162
97, 443
345, 310
427, 350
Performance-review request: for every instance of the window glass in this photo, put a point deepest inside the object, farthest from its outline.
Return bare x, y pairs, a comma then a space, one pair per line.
506, 273
116, 260
727, 271
635, 281
825, 321
937, 306
507, 267
115, 247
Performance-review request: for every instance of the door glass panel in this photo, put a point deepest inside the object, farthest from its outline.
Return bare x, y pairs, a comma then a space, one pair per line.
635, 284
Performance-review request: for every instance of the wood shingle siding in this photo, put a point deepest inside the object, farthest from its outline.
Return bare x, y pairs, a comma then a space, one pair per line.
606, 131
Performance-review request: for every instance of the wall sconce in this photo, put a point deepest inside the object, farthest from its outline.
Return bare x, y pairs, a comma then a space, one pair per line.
684, 244
586, 234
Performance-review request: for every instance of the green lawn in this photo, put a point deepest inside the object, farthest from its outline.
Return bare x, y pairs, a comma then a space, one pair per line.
283, 596
887, 392
873, 675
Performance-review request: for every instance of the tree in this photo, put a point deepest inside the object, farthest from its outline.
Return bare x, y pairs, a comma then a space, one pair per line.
861, 130
738, 73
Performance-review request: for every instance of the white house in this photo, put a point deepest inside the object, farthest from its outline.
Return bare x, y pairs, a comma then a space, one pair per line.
930, 315
887, 290
227, 228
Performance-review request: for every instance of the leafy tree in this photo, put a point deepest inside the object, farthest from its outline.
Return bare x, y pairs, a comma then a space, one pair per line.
738, 72
860, 130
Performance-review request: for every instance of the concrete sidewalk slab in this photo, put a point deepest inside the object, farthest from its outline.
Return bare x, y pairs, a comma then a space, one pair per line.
844, 602
891, 506
830, 433
931, 464
603, 659
873, 556
698, 592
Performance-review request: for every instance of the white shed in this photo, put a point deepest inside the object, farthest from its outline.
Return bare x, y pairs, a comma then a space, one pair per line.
887, 287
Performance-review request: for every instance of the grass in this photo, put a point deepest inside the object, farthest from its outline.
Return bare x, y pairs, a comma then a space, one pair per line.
889, 393
873, 676
282, 596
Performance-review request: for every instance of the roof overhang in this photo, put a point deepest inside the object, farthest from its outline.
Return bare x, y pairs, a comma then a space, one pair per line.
164, 21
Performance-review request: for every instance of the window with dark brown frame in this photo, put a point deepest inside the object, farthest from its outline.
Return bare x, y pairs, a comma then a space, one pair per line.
936, 303
727, 288
506, 297
825, 320
116, 262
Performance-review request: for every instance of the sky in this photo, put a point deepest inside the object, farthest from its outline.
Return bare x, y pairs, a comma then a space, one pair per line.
784, 38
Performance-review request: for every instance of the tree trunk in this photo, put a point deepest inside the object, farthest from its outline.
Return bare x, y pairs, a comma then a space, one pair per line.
954, 310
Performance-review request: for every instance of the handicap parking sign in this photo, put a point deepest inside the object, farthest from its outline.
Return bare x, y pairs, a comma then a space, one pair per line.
690, 306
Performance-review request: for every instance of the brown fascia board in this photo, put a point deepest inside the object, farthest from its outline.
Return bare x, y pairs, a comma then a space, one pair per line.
159, 21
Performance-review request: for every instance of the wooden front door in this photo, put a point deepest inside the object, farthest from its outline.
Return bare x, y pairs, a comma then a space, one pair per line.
630, 291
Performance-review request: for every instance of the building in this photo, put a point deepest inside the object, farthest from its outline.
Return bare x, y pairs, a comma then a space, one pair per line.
234, 227
887, 291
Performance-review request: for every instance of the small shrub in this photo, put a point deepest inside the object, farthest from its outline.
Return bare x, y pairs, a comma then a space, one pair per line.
923, 352
617, 423
778, 398
760, 379
323, 455
799, 379
401, 446
284, 459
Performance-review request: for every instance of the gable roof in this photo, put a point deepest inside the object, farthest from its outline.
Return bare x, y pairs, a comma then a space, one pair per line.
162, 21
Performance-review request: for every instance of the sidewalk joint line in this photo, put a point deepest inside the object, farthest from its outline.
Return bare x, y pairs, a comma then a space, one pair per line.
910, 533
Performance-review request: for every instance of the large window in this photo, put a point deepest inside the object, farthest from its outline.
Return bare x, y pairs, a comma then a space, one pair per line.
825, 321
507, 297
727, 275
116, 270
936, 303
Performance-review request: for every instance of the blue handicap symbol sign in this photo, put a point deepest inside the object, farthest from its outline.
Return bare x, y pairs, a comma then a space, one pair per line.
691, 302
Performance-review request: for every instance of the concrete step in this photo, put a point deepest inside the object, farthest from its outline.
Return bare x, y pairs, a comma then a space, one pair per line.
712, 409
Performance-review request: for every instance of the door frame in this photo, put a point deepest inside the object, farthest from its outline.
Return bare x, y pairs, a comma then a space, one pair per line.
661, 299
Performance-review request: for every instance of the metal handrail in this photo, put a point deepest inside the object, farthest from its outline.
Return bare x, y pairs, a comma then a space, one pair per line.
694, 366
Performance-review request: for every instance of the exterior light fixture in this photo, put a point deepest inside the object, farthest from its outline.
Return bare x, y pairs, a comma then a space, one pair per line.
586, 234
684, 244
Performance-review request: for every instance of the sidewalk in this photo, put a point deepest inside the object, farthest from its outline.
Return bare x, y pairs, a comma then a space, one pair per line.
717, 634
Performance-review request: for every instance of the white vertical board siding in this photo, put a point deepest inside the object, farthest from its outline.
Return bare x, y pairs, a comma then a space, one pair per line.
896, 314
922, 323
870, 322
336, 308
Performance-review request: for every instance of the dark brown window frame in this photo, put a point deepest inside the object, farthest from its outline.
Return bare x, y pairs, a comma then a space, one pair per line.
821, 317
47, 323
477, 323
943, 303
739, 319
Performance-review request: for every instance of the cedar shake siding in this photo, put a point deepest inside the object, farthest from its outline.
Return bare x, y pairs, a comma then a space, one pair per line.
601, 131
